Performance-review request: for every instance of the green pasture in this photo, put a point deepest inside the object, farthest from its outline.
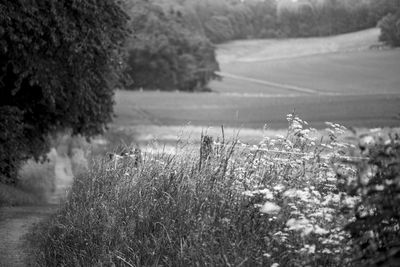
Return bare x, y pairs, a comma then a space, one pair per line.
213, 109
345, 80
354, 63
357, 72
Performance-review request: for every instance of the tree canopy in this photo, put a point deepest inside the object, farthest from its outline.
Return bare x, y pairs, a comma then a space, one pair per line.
165, 54
58, 62
390, 29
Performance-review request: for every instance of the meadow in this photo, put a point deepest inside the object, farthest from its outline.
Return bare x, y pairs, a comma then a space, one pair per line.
287, 194
342, 79
287, 201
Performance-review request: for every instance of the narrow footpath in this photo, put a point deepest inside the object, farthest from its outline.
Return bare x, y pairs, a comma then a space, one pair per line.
15, 222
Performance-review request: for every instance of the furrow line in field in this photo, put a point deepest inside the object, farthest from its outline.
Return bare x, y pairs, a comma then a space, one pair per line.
263, 82
146, 116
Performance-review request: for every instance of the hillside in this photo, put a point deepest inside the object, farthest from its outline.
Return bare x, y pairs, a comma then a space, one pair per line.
270, 49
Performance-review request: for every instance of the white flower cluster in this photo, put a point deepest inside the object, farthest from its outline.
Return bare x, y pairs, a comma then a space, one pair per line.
296, 178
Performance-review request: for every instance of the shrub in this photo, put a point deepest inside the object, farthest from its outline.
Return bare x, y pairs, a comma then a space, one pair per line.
376, 228
10, 149
39, 178
390, 29
164, 54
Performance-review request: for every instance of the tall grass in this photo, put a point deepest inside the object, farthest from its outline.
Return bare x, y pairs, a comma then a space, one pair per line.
229, 204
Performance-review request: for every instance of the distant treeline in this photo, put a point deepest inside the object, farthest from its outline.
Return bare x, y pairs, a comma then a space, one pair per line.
172, 48
224, 20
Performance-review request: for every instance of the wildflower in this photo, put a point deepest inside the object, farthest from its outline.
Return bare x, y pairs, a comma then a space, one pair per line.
379, 188
270, 208
248, 193
326, 251
292, 193
226, 220
366, 141
302, 225
279, 187
267, 193
350, 201
309, 249
320, 231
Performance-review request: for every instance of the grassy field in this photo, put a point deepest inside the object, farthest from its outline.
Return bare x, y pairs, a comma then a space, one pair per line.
348, 73
278, 203
340, 79
169, 109
264, 50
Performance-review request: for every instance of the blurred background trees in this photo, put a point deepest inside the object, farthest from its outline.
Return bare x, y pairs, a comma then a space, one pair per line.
164, 54
225, 20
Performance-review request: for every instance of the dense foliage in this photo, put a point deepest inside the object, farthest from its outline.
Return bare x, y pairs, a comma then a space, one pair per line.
58, 61
376, 228
390, 29
224, 20
164, 54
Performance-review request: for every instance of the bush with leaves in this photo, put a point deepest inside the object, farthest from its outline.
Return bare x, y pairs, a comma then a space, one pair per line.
58, 62
390, 29
10, 120
376, 229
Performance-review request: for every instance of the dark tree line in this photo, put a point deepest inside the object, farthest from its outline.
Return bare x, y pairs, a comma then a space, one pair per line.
224, 20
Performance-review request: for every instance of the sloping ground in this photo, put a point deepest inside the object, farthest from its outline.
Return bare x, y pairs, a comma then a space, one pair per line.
270, 49
349, 73
349, 64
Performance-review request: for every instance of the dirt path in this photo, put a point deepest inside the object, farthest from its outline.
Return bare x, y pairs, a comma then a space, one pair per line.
15, 222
